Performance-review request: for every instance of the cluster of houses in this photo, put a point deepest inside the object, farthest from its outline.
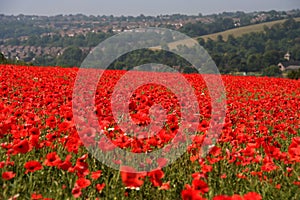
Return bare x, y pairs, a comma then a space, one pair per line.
289, 64
28, 53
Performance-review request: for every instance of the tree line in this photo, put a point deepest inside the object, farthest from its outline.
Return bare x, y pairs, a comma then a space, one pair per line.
255, 52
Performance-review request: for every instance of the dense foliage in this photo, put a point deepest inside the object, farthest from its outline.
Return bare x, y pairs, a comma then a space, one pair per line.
254, 52
294, 74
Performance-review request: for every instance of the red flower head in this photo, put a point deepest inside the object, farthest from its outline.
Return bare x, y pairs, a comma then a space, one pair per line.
52, 159
156, 176
268, 165
51, 122
64, 126
200, 185
222, 197
100, 187
252, 196
191, 194
8, 175
131, 178
81, 166
165, 186
83, 183
76, 191
34, 131
96, 175
21, 147
294, 150
66, 164
36, 196
32, 166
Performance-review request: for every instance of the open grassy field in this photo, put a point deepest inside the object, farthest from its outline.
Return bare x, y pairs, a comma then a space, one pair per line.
237, 32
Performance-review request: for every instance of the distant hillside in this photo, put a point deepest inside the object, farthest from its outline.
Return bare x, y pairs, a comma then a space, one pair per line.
253, 48
237, 32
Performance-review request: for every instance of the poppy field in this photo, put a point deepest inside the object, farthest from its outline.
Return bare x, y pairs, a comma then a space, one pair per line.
256, 156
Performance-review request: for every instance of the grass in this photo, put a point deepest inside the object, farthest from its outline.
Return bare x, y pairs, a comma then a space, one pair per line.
236, 32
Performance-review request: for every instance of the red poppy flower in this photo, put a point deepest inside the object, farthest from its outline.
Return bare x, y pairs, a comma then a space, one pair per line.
68, 116
294, 149
64, 126
223, 176
2, 164
237, 197
296, 183
222, 197
52, 159
278, 186
191, 194
269, 166
52, 137
21, 147
83, 182
200, 185
34, 131
65, 165
81, 167
36, 196
76, 191
156, 176
32, 166
51, 122
241, 176
131, 178
96, 175
252, 196
8, 175
165, 186
206, 168
100, 187
34, 141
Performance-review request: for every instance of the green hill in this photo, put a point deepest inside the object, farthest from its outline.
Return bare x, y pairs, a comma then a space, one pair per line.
236, 32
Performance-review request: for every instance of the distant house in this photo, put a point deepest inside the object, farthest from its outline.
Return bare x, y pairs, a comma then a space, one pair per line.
289, 65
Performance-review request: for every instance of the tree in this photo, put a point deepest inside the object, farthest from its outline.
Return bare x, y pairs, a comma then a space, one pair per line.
209, 44
294, 74
254, 62
271, 57
296, 52
194, 29
231, 40
272, 71
227, 23
290, 24
201, 41
3, 60
189, 70
33, 40
220, 38
72, 56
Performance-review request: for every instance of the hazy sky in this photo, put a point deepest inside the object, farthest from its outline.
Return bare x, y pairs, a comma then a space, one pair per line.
137, 7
